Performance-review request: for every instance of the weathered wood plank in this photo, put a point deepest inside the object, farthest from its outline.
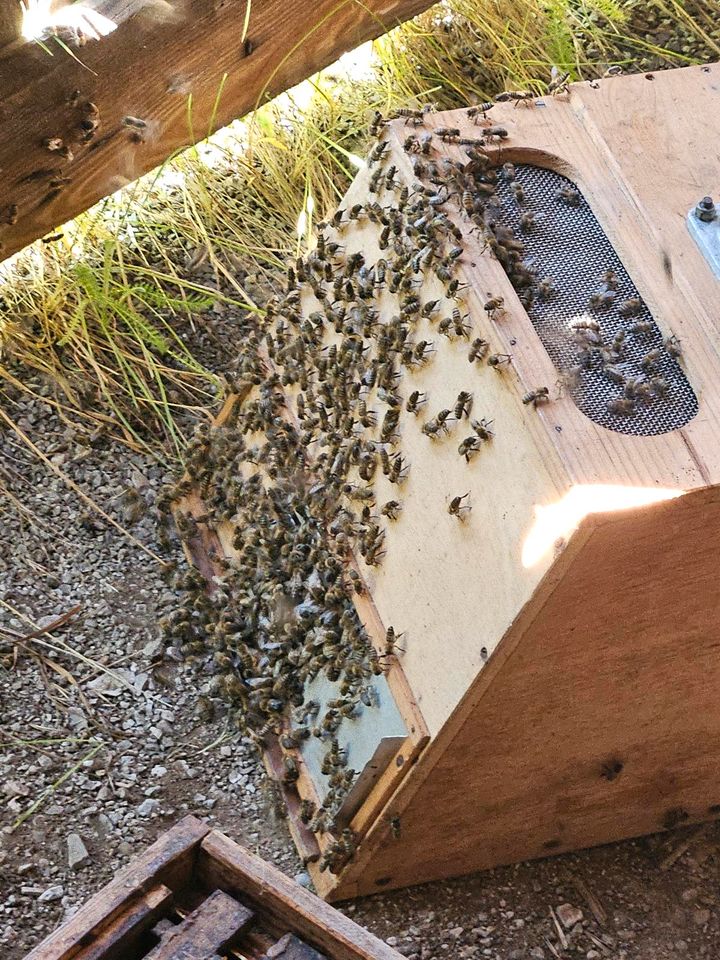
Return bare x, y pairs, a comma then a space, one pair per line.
115, 940
283, 903
154, 70
169, 861
212, 928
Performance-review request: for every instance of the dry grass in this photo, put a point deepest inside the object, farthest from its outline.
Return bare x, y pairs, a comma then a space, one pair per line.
105, 313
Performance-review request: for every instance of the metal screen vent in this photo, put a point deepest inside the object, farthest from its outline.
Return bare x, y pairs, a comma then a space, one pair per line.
601, 337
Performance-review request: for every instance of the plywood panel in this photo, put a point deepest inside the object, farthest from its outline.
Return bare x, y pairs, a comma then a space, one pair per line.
616, 664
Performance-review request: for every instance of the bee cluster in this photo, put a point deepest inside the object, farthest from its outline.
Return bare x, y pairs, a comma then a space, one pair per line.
310, 468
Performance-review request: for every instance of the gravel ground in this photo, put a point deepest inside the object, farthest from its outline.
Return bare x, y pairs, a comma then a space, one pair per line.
108, 740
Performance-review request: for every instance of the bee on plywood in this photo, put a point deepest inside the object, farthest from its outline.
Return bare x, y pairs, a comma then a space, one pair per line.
672, 347
391, 509
496, 360
537, 396
415, 117
415, 401
463, 404
479, 110
515, 97
447, 133
457, 508
493, 306
469, 446
559, 82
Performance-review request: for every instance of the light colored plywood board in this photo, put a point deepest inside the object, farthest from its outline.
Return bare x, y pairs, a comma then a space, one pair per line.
615, 662
451, 621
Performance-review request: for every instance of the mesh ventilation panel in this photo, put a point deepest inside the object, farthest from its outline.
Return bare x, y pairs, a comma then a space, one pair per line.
567, 244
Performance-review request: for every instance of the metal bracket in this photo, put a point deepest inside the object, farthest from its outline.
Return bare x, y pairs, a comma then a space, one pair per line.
703, 222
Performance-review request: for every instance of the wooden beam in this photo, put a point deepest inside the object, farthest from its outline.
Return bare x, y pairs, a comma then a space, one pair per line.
183, 76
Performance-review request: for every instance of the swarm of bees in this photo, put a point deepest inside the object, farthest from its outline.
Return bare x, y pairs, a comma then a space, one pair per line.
324, 405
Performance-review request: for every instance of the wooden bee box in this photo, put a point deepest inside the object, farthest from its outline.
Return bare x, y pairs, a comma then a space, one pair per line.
197, 895
559, 666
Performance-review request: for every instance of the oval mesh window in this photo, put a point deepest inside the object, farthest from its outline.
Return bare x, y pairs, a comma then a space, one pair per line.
588, 314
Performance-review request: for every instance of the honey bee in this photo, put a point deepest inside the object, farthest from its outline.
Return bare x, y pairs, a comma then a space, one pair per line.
378, 152
447, 133
527, 221
468, 447
391, 509
622, 406
135, 122
391, 639
496, 132
376, 124
517, 191
508, 170
601, 299
480, 109
642, 327
495, 360
659, 386
416, 117
494, 306
456, 506
537, 396
630, 307
546, 288
439, 423
515, 96
569, 195
559, 82
482, 429
478, 349
463, 405
651, 358
672, 347
415, 401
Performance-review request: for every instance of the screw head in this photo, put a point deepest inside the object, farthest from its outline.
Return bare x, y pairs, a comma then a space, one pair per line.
706, 210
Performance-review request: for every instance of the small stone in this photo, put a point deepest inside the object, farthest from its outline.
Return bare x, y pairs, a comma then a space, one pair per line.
568, 915
184, 769
13, 788
158, 770
148, 807
701, 917
52, 894
303, 879
76, 719
592, 955
77, 851
537, 953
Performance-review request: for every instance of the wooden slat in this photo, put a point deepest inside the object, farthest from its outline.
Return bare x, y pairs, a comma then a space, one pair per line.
150, 68
225, 865
213, 927
168, 861
114, 941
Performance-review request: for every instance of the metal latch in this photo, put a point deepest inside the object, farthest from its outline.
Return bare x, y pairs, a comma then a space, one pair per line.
704, 225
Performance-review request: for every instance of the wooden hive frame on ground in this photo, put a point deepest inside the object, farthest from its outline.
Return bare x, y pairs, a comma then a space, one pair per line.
197, 895
560, 665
